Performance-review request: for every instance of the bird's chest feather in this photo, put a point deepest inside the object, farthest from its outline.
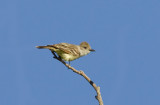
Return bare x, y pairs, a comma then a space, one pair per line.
68, 57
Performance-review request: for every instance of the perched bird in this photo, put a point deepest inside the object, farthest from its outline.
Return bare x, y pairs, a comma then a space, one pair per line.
69, 52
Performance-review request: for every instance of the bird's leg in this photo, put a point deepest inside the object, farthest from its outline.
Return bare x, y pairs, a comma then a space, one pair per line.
69, 62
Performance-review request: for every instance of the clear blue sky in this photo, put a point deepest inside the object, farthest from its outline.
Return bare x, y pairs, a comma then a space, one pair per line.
126, 64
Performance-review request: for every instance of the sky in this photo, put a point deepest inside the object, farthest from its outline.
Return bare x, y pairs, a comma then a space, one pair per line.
126, 64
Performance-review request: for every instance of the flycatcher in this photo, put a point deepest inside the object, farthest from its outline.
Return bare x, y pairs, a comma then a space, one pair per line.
69, 52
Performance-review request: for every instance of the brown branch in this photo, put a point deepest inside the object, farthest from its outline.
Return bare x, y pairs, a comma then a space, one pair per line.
97, 88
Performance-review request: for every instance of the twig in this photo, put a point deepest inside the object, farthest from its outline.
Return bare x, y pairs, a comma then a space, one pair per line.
97, 88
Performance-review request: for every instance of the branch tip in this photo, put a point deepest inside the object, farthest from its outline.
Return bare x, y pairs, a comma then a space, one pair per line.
97, 88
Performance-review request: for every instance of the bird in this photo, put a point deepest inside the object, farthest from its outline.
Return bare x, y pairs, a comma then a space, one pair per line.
69, 52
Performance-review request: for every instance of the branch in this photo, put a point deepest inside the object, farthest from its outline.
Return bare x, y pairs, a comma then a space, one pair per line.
97, 88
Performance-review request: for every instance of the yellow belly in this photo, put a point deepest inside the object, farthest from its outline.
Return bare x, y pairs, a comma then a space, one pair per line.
66, 57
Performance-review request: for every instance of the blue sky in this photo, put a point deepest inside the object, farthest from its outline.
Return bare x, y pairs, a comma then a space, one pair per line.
126, 64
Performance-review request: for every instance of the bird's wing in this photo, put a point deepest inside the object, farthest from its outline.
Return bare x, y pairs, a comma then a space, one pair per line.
67, 48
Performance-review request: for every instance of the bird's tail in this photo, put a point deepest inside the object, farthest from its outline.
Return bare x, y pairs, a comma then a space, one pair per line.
43, 47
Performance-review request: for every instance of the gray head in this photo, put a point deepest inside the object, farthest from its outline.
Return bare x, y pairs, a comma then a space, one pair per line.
86, 46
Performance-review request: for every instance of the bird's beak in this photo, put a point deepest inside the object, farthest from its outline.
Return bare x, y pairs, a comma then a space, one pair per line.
91, 50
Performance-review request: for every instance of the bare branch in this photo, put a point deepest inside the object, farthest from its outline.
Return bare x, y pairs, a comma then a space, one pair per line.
97, 88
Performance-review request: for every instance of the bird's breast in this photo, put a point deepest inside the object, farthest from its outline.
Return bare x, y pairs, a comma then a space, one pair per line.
68, 57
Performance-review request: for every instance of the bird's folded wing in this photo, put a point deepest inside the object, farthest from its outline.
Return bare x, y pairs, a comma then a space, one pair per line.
67, 48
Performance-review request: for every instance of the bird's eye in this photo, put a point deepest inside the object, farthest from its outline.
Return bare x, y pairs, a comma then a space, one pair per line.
85, 47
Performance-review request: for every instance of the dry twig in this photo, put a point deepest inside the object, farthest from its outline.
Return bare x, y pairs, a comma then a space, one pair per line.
97, 88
